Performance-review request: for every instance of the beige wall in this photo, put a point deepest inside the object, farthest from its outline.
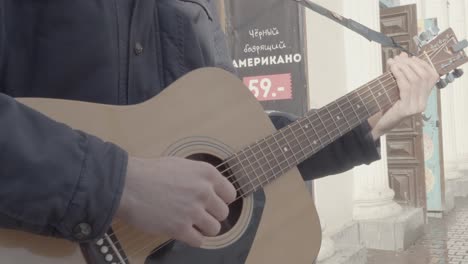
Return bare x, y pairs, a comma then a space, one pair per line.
327, 82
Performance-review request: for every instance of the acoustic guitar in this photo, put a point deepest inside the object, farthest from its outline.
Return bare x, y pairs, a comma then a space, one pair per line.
210, 115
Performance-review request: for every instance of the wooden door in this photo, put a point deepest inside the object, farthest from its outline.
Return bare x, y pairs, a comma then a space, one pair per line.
405, 143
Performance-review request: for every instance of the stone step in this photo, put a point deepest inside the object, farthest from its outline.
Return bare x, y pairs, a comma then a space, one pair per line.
393, 233
347, 255
461, 187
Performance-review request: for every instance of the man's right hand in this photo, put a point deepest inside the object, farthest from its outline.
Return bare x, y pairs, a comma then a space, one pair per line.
177, 197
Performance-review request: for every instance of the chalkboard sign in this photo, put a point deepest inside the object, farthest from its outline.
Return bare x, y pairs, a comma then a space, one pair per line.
267, 40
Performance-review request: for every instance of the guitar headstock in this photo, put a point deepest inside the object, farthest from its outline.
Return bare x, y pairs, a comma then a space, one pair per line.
444, 52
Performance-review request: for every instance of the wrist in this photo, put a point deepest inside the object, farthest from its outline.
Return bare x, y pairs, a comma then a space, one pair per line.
376, 134
124, 206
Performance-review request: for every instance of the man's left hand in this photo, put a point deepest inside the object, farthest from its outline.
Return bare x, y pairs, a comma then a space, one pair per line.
415, 79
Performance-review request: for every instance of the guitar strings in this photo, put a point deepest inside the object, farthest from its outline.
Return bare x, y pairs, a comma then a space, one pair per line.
224, 163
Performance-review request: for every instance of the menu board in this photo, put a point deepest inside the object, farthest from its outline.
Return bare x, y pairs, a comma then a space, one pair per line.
267, 40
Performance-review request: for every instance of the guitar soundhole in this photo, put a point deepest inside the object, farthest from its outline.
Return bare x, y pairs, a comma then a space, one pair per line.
235, 209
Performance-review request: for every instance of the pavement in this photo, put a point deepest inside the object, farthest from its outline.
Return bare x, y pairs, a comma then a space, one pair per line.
445, 242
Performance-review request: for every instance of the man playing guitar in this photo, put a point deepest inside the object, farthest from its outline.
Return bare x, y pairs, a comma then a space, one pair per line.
61, 182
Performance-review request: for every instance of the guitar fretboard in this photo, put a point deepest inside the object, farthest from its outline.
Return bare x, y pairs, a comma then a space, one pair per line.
262, 162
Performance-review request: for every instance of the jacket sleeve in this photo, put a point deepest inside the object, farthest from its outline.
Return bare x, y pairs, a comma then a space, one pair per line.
355, 148
56, 181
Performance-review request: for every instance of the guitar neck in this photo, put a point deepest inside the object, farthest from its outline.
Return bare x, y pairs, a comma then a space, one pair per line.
269, 158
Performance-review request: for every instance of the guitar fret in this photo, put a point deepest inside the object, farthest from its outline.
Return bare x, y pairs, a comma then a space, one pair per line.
247, 173
287, 149
333, 118
363, 103
281, 151
375, 98
389, 98
317, 137
299, 144
324, 126
352, 117
269, 169
275, 156
307, 138
357, 105
240, 174
385, 91
344, 115
257, 164
338, 115
372, 102
326, 138
334, 129
394, 91
273, 152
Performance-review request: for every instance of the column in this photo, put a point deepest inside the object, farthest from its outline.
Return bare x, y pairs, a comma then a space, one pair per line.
439, 9
372, 194
458, 21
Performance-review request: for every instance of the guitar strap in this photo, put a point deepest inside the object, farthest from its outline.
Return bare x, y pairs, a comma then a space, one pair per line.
357, 27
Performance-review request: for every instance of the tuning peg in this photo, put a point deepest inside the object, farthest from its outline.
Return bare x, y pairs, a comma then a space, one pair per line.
450, 77
442, 84
425, 36
460, 46
417, 41
434, 30
458, 73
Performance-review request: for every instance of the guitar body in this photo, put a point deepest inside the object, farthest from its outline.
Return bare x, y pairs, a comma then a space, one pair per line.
207, 112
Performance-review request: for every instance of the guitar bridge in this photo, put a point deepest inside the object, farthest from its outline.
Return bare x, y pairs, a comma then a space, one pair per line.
106, 250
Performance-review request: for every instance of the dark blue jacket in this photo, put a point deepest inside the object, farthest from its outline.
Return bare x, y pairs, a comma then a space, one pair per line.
61, 182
